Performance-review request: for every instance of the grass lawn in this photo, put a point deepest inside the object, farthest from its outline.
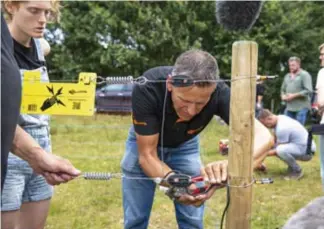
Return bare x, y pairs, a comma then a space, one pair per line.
97, 144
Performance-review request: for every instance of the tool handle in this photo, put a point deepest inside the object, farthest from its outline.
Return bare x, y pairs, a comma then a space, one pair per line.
197, 179
201, 186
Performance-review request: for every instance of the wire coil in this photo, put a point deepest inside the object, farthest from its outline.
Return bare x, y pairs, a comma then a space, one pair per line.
141, 80
116, 80
100, 175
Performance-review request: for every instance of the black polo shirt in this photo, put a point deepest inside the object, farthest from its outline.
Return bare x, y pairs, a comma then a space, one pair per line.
148, 103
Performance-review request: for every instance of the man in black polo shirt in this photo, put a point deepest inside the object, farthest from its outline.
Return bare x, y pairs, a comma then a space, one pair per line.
167, 118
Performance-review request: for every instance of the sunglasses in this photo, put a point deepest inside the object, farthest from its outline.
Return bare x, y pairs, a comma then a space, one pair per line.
187, 81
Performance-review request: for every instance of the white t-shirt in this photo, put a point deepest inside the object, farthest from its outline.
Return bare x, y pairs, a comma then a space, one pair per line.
320, 89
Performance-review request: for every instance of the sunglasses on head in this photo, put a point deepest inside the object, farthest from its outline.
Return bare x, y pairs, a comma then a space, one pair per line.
187, 81
182, 81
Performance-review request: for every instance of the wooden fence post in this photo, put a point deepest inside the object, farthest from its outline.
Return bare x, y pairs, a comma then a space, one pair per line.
242, 110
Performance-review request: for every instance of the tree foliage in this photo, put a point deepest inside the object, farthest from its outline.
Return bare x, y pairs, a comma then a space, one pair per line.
126, 38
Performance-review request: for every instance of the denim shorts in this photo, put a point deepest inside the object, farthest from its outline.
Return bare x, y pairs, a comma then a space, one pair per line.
21, 183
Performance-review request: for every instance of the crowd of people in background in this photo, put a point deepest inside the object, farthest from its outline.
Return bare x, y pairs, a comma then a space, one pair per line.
289, 127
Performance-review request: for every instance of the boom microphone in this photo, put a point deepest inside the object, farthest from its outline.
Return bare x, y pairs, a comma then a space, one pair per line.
237, 15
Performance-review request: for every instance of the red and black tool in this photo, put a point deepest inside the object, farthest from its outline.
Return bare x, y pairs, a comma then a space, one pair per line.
180, 184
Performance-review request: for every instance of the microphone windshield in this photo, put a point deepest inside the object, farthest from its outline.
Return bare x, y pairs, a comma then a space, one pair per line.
237, 15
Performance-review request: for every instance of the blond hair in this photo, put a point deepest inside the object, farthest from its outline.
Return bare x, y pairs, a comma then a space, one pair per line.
320, 47
56, 6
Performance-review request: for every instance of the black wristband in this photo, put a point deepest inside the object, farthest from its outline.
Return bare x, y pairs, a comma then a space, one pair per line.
168, 173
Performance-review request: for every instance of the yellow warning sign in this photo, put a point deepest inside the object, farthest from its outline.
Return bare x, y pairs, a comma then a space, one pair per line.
59, 98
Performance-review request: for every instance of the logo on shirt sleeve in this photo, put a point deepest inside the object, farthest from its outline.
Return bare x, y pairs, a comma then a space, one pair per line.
194, 131
138, 123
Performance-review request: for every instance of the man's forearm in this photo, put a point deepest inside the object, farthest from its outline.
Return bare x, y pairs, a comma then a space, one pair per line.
24, 146
303, 93
153, 166
272, 152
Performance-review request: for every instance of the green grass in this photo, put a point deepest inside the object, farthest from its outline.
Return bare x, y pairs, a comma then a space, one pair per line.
97, 144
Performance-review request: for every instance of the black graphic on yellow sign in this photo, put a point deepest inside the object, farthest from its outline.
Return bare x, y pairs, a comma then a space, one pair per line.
74, 91
59, 98
52, 100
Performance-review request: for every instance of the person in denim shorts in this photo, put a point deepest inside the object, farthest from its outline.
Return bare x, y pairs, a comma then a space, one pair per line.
55, 169
26, 196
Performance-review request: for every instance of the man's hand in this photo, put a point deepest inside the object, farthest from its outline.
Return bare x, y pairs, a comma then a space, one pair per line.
215, 172
198, 200
187, 199
291, 97
284, 97
56, 170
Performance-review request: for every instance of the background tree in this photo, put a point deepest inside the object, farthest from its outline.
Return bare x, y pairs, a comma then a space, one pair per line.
126, 38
